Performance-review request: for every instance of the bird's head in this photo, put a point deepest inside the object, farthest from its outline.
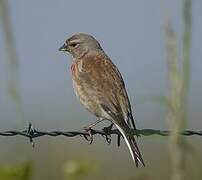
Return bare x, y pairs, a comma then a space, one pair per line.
80, 44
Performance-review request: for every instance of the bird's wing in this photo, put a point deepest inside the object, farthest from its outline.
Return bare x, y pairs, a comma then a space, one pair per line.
108, 86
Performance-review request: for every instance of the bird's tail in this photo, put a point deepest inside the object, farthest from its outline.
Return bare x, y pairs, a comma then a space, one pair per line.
131, 143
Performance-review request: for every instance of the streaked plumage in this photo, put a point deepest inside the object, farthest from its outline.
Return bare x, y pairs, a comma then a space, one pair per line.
100, 87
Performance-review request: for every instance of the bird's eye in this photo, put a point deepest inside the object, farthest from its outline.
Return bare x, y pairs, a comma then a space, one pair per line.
73, 44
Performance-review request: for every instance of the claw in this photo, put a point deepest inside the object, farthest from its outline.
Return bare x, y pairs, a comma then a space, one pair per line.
90, 135
108, 139
107, 131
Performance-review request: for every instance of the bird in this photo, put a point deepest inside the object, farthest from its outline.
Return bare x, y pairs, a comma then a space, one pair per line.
100, 88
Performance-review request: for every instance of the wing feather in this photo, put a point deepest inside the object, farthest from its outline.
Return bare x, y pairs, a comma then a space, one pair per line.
107, 85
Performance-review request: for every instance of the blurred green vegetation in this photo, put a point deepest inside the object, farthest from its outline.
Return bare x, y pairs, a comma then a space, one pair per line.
12, 61
178, 91
18, 172
178, 83
80, 169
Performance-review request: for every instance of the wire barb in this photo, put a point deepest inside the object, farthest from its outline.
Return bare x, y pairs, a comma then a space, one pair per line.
32, 133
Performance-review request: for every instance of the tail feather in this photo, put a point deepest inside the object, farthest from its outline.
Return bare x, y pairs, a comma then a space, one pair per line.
132, 146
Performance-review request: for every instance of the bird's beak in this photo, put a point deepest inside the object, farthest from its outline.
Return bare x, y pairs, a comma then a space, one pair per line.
64, 48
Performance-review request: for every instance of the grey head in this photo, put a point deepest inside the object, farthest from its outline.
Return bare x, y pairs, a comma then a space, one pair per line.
80, 44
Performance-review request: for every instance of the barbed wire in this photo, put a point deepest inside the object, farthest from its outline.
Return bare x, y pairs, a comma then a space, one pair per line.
31, 133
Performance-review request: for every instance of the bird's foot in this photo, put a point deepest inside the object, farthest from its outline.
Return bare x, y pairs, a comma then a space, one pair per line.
107, 131
89, 130
88, 137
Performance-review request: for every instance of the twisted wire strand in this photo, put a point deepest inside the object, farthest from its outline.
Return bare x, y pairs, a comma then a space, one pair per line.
31, 133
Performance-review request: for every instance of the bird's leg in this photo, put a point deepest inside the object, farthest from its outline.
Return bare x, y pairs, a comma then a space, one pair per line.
93, 124
88, 129
107, 131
